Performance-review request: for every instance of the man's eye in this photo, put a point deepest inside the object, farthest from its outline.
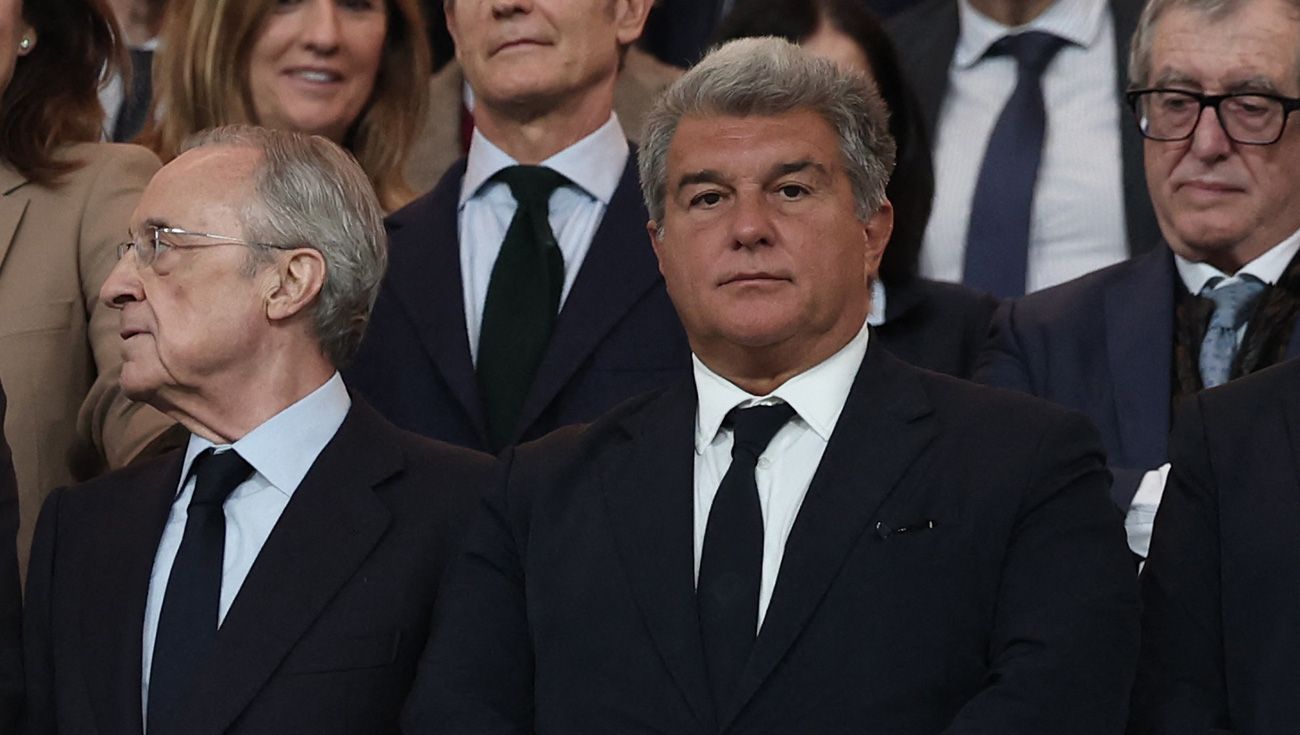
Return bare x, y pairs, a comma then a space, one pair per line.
707, 199
792, 191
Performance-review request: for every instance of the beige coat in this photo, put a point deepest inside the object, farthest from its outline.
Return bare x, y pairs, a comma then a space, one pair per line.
639, 84
59, 347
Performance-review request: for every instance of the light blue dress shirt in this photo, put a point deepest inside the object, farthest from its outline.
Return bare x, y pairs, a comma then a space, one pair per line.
281, 451
594, 165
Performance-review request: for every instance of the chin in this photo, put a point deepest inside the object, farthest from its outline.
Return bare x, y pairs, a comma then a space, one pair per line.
136, 384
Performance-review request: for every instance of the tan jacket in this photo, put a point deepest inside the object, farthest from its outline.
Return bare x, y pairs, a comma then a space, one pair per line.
438, 146
58, 345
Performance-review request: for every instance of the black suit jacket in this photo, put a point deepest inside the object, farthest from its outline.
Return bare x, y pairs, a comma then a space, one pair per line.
327, 628
617, 334
1102, 345
573, 609
11, 601
926, 38
934, 325
1221, 589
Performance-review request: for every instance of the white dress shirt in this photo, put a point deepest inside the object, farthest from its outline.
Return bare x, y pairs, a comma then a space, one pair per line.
594, 165
281, 451
1077, 224
786, 467
1268, 268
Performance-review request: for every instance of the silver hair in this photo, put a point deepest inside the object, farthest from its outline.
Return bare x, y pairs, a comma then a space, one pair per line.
771, 76
311, 192
1139, 60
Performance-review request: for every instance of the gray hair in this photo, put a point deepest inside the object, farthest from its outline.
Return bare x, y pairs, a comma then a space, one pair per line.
771, 76
311, 192
1139, 62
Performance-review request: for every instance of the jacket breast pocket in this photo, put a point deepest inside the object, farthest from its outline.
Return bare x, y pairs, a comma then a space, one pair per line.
323, 654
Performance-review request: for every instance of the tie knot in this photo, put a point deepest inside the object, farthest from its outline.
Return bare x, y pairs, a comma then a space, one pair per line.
753, 428
217, 475
531, 185
1232, 302
1032, 50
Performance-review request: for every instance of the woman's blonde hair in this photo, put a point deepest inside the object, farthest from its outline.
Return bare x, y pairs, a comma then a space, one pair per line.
201, 81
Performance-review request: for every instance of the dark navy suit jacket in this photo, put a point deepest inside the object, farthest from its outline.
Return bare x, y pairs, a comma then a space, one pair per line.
1103, 345
1221, 589
926, 38
1010, 606
935, 325
11, 602
327, 628
617, 334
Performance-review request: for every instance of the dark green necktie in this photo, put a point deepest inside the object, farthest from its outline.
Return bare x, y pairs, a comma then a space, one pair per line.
523, 300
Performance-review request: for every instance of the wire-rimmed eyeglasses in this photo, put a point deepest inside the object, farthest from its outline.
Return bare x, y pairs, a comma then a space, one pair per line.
151, 243
1252, 118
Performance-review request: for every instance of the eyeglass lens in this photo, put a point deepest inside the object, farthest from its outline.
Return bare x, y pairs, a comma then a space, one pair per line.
1246, 118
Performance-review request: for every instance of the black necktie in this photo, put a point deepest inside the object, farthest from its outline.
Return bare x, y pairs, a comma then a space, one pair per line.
187, 624
997, 241
134, 111
523, 300
731, 563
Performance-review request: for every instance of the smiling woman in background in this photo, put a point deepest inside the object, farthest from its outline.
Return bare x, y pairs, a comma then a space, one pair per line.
64, 205
354, 71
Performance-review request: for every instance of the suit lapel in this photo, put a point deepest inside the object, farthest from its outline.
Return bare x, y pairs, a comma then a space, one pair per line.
619, 268
858, 471
116, 588
650, 501
1291, 415
424, 274
328, 529
13, 204
1139, 348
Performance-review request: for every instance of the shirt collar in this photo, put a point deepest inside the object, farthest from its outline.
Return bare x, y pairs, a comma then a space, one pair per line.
284, 447
817, 394
594, 164
1268, 267
1077, 21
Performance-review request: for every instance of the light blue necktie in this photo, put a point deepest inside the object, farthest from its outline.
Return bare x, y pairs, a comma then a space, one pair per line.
1232, 307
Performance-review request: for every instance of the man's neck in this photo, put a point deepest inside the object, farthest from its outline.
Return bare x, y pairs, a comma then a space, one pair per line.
1011, 13
531, 136
224, 411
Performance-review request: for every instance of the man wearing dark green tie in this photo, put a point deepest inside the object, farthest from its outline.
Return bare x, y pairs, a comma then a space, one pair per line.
524, 294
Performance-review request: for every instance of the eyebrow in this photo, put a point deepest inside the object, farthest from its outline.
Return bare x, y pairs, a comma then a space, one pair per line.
1250, 84
710, 176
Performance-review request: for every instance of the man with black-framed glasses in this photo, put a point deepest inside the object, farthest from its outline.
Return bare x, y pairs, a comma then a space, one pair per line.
1214, 86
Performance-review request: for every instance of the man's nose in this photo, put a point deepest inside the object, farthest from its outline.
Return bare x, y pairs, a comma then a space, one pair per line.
123, 283
751, 221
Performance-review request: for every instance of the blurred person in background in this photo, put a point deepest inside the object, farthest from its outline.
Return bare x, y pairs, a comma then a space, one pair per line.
64, 204
353, 71
449, 124
126, 97
938, 326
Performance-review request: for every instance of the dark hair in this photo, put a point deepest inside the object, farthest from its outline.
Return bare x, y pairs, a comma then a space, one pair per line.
911, 187
53, 98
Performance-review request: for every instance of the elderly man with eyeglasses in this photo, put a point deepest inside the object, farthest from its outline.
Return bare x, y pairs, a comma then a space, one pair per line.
278, 574
1214, 89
